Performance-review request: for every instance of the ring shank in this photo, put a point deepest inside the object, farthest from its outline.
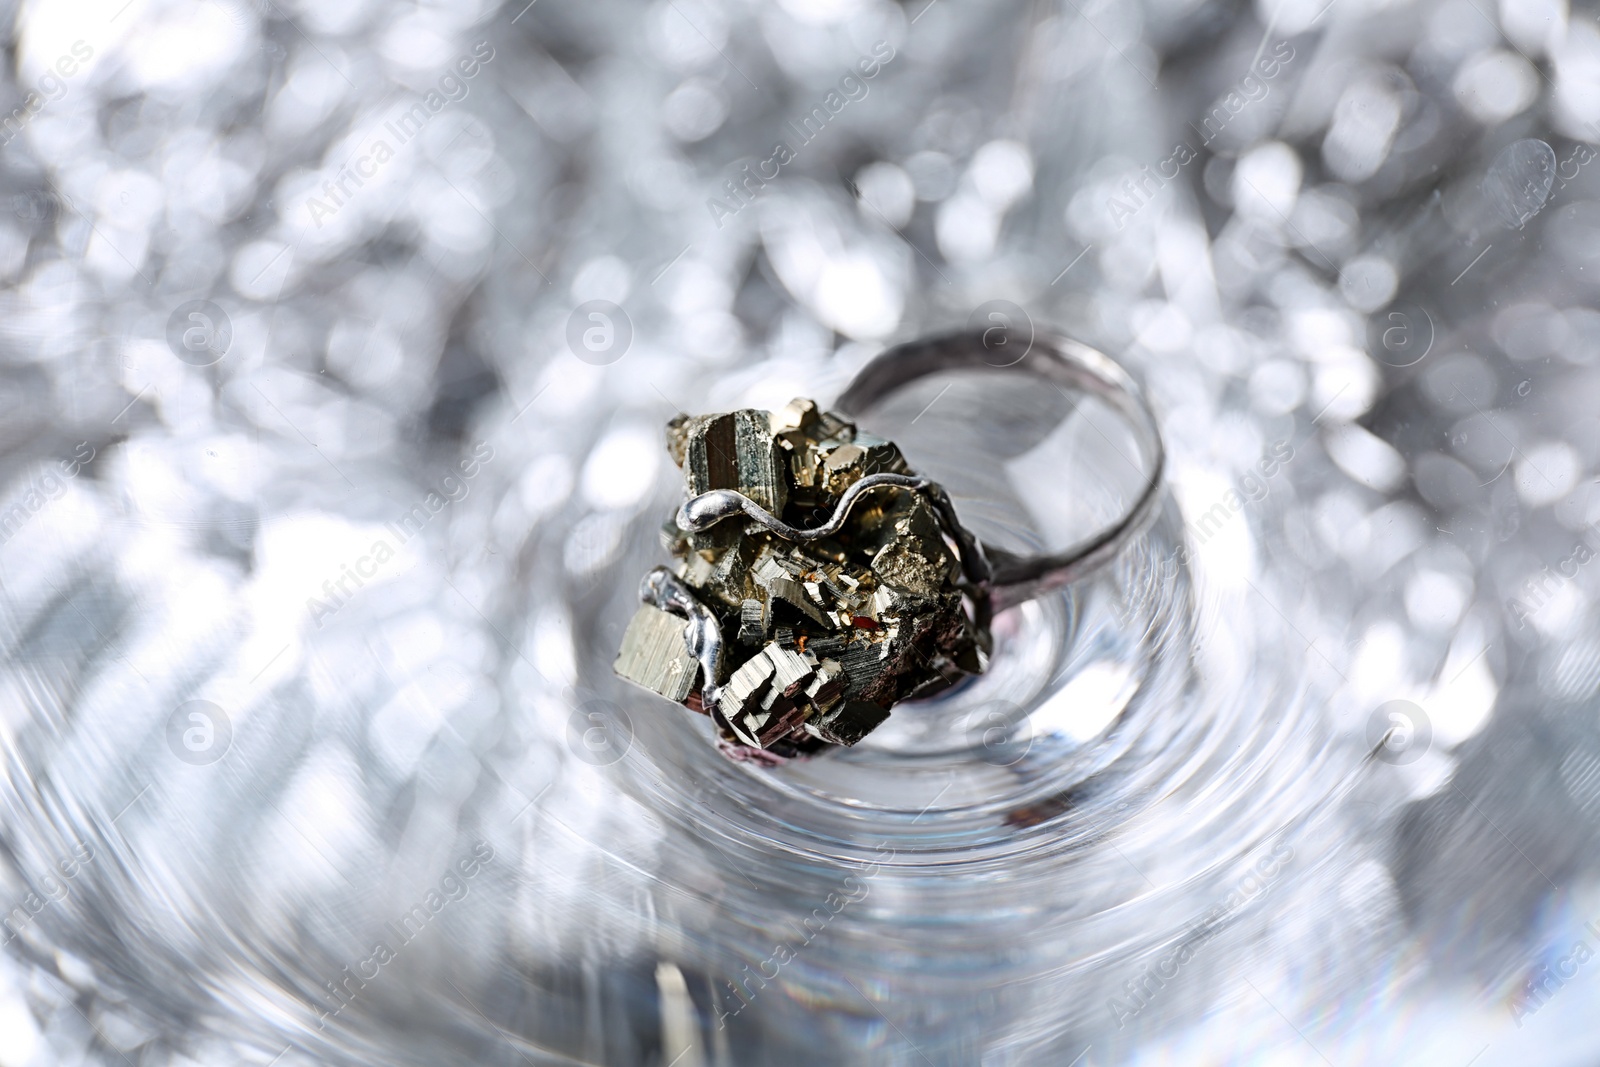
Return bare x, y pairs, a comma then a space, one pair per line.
1064, 362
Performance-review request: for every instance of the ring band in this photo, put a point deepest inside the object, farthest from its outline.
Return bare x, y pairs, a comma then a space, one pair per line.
1015, 578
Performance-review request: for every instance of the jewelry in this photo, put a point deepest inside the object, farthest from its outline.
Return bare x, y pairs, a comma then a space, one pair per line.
819, 581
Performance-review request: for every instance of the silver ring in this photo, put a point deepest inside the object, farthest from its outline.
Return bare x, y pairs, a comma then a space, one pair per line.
820, 580
1014, 578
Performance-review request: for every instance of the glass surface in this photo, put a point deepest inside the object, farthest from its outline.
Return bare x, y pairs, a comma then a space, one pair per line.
336, 347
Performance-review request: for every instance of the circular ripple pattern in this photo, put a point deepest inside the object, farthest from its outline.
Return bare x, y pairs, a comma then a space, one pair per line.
1103, 788
1121, 785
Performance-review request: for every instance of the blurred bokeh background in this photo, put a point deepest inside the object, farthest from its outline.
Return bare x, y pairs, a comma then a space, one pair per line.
336, 339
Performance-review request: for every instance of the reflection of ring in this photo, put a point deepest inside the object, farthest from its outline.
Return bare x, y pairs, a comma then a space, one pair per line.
819, 580
1062, 362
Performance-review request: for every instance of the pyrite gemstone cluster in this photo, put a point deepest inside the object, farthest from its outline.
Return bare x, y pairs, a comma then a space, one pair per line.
816, 584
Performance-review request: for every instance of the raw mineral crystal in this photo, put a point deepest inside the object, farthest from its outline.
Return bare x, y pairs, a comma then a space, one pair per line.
819, 637
655, 656
735, 451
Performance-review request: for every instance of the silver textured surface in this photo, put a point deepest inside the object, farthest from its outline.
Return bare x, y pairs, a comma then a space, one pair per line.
335, 342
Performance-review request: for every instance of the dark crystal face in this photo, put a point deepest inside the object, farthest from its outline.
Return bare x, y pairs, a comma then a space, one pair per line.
818, 638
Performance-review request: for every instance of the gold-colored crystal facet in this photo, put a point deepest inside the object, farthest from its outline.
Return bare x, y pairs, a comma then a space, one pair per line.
654, 654
820, 637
